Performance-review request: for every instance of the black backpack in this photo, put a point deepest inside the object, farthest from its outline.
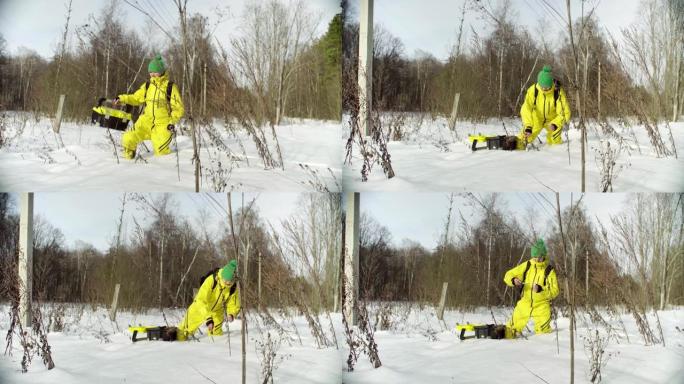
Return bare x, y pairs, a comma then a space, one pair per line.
214, 272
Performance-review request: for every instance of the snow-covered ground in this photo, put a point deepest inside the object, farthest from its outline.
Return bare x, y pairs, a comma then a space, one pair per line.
92, 349
418, 349
33, 159
430, 157
414, 348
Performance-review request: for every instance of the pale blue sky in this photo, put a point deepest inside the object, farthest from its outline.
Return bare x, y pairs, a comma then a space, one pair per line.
39, 24
432, 25
420, 216
91, 217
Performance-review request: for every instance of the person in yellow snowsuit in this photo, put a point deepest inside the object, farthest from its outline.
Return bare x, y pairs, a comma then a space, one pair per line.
539, 286
217, 295
545, 107
163, 109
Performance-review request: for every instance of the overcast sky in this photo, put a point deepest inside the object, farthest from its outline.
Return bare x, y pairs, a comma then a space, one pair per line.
432, 25
92, 217
39, 24
421, 216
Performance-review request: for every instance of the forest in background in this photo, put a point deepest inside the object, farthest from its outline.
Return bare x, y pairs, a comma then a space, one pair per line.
635, 259
165, 256
641, 69
277, 66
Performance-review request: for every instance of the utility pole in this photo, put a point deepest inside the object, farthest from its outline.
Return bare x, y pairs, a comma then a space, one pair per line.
351, 257
26, 258
365, 74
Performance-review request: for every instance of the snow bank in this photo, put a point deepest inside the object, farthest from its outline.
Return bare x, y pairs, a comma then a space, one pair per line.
92, 349
35, 160
430, 157
419, 349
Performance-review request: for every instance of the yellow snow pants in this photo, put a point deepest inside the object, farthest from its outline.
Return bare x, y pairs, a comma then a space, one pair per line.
539, 311
196, 316
552, 137
144, 129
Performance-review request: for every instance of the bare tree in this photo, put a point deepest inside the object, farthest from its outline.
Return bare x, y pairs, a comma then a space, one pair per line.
572, 295
655, 47
63, 46
646, 233
182, 6
274, 36
242, 288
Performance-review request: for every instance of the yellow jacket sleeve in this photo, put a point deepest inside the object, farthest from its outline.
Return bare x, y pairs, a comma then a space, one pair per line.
177, 108
202, 297
562, 110
233, 305
527, 108
513, 273
136, 98
551, 288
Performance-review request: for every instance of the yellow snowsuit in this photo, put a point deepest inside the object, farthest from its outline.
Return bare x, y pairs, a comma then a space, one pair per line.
158, 114
533, 304
213, 300
542, 113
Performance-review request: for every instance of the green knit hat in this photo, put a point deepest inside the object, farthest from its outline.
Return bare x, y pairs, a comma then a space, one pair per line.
228, 271
539, 249
156, 65
545, 78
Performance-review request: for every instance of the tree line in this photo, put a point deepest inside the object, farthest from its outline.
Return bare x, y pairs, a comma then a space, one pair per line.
161, 262
636, 258
638, 73
286, 72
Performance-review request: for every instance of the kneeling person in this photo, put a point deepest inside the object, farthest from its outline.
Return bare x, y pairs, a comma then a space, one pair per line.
217, 295
163, 109
545, 107
539, 285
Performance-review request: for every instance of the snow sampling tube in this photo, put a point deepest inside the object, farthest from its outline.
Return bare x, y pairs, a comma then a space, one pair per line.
108, 116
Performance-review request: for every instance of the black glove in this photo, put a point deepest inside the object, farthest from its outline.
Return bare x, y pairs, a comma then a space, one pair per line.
528, 130
171, 128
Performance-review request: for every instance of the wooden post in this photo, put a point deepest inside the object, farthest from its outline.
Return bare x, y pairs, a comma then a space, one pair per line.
259, 281
58, 117
204, 91
351, 257
115, 303
365, 73
26, 259
586, 277
599, 90
442, 301
454, 111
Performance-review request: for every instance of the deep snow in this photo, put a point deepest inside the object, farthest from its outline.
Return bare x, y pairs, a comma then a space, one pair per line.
416, 348
419, 349
92, 349
431, 157
34, 159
